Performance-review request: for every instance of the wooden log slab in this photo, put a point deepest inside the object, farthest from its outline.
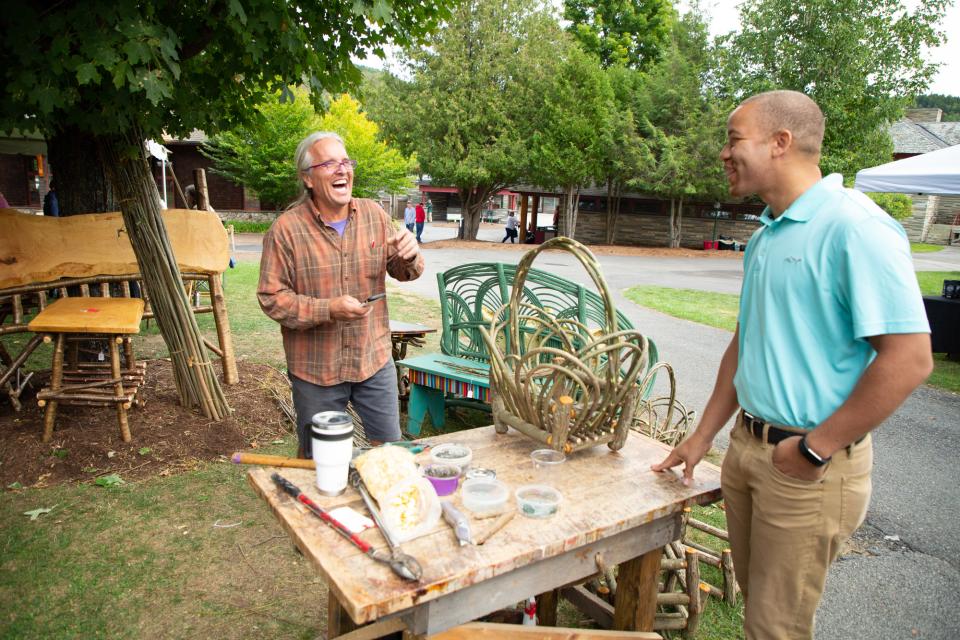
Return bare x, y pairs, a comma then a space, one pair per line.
44, 249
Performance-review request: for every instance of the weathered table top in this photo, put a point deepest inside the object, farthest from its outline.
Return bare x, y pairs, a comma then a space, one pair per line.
90, 315
399, 328
609, 497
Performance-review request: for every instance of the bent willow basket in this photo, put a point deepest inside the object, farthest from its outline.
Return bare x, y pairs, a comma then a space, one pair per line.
554, 379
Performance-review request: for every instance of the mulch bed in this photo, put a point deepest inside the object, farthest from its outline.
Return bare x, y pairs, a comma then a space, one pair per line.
167, 438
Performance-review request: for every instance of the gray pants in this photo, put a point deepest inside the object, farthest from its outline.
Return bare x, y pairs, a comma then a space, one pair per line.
374, 399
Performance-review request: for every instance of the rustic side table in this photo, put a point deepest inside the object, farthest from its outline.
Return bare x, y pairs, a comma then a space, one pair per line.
111, 319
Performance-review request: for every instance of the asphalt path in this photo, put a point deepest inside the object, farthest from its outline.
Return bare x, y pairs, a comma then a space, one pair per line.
902, 578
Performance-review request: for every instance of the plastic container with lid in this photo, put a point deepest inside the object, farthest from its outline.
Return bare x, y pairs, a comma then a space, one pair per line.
484, 495
452, 453
444, 477
538, 500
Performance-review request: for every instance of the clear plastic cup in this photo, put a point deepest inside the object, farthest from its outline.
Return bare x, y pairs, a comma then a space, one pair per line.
547, 465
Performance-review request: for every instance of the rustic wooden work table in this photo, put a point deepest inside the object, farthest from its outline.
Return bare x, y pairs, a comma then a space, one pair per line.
613, 505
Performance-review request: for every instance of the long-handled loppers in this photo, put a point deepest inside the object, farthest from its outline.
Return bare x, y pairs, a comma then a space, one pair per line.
395, 561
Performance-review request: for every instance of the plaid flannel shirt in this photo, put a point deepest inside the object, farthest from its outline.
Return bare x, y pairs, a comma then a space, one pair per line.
305, 264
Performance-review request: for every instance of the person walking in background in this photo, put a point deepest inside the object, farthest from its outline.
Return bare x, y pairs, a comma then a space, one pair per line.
323, 259
421, 220
51, 206
832, 337
510, 226
410, 217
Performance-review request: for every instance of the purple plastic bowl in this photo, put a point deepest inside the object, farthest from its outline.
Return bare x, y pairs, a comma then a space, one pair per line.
444, 477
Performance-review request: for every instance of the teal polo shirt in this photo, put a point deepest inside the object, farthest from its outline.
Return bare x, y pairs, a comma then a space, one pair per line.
829, 272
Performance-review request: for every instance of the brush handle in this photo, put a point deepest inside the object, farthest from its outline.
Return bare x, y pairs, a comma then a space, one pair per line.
272, 461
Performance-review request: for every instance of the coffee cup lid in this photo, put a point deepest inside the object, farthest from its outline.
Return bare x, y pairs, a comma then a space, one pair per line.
332, 422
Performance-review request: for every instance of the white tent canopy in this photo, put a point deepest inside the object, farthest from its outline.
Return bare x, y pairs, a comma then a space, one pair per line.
937, 172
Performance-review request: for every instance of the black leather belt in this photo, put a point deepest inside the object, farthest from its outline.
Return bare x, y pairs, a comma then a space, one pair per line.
774, 433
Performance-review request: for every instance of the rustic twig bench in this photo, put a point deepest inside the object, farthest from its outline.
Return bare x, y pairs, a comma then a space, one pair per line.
43, 259
469, 296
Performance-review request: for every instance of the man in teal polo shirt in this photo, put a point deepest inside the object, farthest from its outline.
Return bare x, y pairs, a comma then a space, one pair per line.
832, 338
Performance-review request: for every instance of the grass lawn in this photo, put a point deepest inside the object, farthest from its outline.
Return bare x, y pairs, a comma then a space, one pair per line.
720, 310
922, 247
195, 554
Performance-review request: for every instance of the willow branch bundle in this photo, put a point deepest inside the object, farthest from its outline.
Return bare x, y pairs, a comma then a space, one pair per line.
556, 381
133, 185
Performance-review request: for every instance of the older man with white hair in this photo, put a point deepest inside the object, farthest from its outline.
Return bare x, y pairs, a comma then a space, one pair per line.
322, 276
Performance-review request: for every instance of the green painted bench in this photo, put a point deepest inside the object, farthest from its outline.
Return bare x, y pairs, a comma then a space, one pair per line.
469, 296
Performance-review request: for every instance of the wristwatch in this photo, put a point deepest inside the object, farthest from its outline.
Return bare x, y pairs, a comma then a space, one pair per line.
812, 456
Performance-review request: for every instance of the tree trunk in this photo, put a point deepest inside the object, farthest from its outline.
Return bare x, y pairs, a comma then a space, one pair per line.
82, 186
614, 187
471, 210
572, 199
676, 221
123, 160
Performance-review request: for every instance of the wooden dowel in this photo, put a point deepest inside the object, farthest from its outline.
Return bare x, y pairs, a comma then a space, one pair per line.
213, 347
68, 398
29, 348
706, 553
224, 335
272, 461
670, 599
693, 590
709, 528
729, 578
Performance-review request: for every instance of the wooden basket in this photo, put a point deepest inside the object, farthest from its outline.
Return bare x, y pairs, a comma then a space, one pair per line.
554, 379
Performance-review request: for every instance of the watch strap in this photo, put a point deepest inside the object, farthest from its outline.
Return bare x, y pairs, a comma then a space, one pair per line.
812, 456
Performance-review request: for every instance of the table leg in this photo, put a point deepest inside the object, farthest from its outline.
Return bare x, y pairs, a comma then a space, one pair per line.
547, 608
339, 621
636, 600
115, 372
56, 381
424, 400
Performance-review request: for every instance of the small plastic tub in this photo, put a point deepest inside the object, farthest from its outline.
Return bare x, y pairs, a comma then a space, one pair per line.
443, 477
538, 500
484, 495
452, 453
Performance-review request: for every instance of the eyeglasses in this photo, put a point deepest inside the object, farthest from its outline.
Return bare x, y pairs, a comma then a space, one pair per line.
331, 166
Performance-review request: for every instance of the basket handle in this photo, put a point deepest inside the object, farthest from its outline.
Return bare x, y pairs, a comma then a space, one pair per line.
586, 258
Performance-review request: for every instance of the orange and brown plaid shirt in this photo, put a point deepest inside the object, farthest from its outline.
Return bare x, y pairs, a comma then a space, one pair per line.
305, 264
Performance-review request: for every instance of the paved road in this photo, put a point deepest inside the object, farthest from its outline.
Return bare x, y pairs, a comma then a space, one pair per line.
904, 580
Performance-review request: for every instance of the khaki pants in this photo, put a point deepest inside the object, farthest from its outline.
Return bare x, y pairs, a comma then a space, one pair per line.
785, 533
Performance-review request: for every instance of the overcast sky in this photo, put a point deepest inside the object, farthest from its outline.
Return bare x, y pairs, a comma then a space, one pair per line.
725, 17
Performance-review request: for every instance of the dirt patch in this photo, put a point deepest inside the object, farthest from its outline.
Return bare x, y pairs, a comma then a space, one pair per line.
167, 438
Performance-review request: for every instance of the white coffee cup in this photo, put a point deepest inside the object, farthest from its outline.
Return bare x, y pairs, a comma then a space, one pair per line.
332, 443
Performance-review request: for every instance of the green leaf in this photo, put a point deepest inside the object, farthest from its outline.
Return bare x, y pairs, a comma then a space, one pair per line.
14, 485
61, 453
36, 513
87, 73
236, 9
144, 450
111, 480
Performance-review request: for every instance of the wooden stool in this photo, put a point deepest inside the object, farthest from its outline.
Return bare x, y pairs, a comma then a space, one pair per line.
113, 319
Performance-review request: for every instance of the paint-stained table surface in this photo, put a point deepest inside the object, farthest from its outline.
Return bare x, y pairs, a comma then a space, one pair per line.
613, 504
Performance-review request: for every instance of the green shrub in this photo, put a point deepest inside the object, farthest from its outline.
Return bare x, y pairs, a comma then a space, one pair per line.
246, 226
898, 205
